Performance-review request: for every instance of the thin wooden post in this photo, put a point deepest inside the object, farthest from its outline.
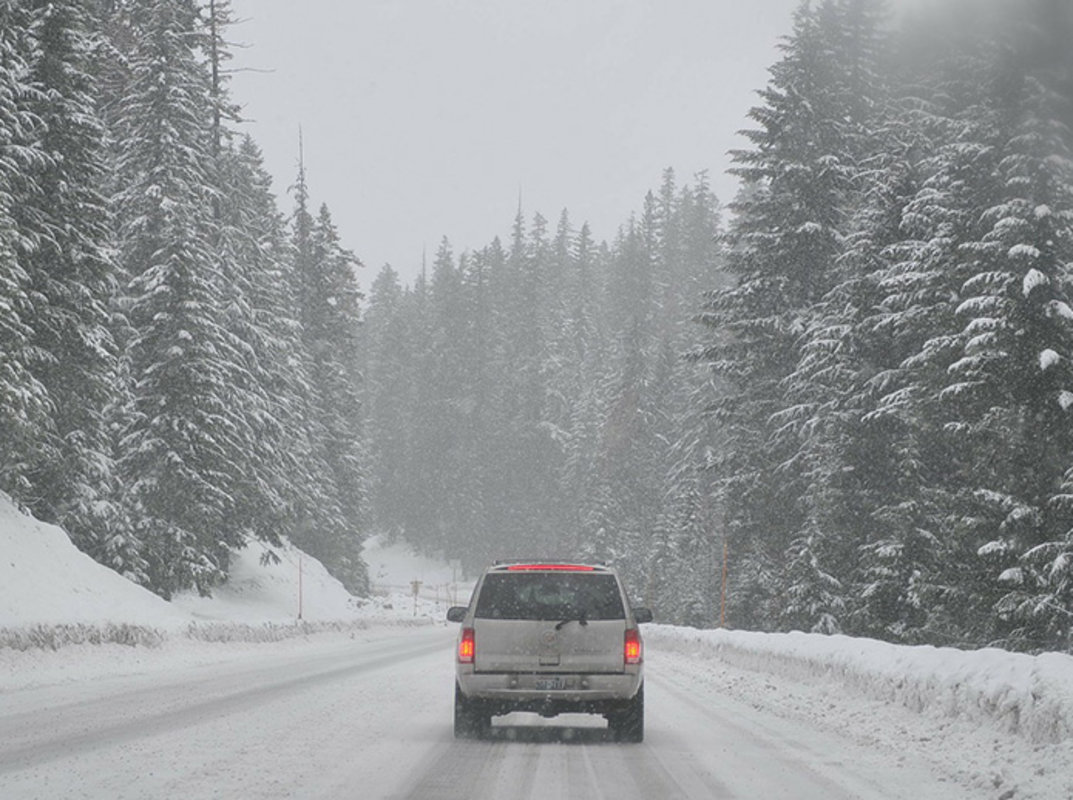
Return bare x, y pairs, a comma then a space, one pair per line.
723, 597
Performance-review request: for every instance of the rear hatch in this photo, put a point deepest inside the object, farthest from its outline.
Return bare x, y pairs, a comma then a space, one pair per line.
549, 621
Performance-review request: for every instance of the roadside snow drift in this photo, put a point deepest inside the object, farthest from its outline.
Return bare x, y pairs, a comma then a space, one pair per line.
52, 594
46, 580
1030, 696
272, 584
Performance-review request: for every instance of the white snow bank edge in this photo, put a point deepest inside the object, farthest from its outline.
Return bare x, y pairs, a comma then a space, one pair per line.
54, 637
1026, 696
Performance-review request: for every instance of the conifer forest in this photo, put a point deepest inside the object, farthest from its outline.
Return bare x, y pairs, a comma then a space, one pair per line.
840, 401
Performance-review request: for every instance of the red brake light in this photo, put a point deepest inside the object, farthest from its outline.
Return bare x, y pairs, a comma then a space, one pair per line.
561, 567
632, 654
467, 646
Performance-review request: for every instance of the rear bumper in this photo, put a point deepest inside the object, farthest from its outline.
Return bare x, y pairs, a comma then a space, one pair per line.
503, 692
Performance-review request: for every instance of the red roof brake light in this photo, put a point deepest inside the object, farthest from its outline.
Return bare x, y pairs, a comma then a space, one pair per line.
633, 649
467, 647
553, 567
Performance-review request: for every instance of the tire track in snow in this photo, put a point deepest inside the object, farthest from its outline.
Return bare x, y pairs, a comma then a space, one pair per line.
540, 761
31, 739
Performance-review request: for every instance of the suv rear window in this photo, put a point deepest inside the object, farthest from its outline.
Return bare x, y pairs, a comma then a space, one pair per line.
536, 596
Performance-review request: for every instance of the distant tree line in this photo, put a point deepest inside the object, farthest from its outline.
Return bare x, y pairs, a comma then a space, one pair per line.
530, 399
873, 415
177, 370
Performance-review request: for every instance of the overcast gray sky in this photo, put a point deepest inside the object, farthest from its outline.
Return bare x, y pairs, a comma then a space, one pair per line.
425, 118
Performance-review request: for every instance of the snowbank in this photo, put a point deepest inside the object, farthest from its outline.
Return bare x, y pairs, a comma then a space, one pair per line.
53, 595
45, 580
1030, 696
275, 585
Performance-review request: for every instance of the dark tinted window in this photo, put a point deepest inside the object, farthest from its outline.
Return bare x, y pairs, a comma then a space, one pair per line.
522, 595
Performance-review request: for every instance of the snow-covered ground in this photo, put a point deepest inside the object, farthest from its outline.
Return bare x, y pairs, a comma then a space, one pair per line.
841, 717
1030, 697
64, 617
998, 723
46, 581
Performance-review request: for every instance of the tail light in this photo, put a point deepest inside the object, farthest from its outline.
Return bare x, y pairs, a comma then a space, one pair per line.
467, 647
633, 648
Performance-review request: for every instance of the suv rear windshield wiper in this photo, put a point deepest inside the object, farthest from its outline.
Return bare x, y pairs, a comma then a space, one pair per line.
580, 619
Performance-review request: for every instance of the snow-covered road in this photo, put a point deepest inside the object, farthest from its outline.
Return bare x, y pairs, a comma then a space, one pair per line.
370, 718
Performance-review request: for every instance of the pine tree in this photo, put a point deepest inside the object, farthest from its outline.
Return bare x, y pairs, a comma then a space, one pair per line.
188, 435
682, 580
479, 367
72, 278
248, 247
328, 300
25, 409
523, 476
586, 345
781, 249
439, 426
387, 401
1013, 382
904, 241
283, 486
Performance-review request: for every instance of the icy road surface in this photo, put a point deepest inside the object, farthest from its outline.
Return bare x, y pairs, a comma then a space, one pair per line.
372, 719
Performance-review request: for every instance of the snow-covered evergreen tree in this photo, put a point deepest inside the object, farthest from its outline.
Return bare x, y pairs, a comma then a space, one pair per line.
283, 482
25, 410
72, 278
782, 250
328, 299
1011, 389
387, 398
184, 450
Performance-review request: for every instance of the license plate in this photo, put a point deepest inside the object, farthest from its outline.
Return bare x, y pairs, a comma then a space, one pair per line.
544, 684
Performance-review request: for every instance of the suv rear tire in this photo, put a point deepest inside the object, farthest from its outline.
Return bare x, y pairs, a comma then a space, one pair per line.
628, 725
470, 721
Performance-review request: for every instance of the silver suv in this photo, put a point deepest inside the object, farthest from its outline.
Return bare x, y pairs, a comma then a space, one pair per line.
550, 638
